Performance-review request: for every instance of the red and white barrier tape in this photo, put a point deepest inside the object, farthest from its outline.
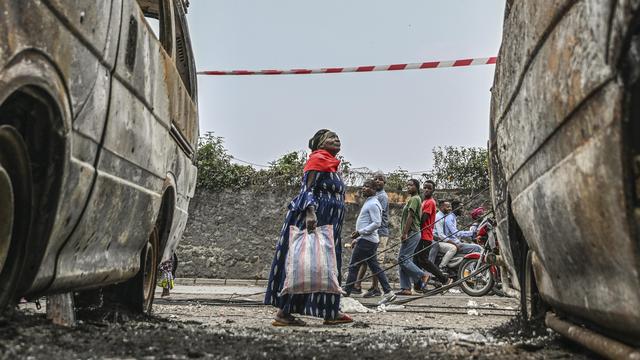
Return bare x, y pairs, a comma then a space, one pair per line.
394, 67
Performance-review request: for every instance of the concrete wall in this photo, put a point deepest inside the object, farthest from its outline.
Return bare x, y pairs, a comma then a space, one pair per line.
232, 234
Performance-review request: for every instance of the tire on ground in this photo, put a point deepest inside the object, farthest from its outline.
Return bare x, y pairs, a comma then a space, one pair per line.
15, 211
138, 292
469, 291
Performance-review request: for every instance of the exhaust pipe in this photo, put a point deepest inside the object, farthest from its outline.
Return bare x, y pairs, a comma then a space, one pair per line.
611, 349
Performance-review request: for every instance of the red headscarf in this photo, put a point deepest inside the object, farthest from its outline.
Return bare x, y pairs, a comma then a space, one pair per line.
322, 160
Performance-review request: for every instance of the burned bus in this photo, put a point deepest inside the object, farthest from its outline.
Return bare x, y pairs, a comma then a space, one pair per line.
98, 129
565, 162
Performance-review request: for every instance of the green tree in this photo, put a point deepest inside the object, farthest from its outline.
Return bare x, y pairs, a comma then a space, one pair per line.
217, 172
215, 169
286, 170
397, 180
461, 167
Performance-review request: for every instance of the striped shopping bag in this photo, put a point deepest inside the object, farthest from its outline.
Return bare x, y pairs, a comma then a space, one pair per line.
311, 262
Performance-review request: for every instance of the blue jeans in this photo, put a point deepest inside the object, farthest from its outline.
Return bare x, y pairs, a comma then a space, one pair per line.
365, 249
469, 248
409, 272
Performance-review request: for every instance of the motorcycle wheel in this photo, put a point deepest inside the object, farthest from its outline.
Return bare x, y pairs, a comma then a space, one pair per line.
480, 284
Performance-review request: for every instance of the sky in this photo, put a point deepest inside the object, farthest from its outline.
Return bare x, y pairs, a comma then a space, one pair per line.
385, 120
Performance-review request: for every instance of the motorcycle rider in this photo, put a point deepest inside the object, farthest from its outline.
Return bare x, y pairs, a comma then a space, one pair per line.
445, 247
476, 216
453, 235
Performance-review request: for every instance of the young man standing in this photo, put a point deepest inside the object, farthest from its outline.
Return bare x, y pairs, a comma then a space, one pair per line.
421, 257
383, 234
365, 241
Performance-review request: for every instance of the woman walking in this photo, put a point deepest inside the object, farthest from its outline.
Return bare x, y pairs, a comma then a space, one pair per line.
410, 236
320, 202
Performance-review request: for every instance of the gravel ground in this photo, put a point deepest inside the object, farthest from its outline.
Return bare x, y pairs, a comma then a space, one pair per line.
192, 323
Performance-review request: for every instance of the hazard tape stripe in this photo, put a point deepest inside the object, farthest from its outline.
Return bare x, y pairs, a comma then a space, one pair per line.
368, 68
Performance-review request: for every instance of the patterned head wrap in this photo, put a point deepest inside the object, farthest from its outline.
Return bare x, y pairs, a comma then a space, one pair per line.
320, 137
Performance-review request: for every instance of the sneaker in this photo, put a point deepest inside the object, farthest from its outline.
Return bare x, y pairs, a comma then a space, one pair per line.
356, 291
372, 293
387, 298
404, 292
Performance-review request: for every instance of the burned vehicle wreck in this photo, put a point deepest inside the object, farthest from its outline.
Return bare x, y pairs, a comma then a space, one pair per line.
98, 129
565, 161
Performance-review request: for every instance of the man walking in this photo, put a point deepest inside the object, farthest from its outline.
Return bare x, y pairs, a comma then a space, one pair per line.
365, 241
383, 233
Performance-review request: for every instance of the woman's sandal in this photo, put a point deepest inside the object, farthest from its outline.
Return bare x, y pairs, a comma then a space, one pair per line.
288, 321
342, 319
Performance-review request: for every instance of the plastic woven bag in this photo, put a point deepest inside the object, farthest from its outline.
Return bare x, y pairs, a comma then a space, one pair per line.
311, 262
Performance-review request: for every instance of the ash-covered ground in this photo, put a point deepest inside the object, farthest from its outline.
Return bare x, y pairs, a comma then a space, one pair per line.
194, 322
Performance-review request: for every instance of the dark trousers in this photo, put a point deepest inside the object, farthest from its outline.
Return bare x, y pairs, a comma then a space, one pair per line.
423, 261
365, 249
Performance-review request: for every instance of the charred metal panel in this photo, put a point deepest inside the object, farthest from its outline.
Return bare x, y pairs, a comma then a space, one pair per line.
183, 111
499, 195
135, 144
620, 21
557, 137
570, 65
90, 18
525, 28
126, 198
137, 154
90, 122
88, 127
147, 72
32, 26
67, 52
185, 175
575, 219
156, 82
68, 48
597, 113
106, 246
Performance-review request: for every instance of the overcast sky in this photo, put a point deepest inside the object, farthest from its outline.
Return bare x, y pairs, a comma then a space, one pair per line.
385, 120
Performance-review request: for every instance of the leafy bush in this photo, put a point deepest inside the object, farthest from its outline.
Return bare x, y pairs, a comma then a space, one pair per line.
215, 169
454, 167
285, 171
397, 180
461, 167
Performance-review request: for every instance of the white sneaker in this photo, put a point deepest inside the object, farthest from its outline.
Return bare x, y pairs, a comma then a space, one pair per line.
387, 298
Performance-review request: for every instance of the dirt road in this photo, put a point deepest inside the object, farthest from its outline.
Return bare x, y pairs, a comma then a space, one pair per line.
194, 322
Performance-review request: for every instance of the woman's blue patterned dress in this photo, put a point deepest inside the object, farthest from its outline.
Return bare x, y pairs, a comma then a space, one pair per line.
325, 191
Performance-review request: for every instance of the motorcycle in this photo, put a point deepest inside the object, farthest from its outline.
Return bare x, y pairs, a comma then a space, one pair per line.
489, 279
462, 265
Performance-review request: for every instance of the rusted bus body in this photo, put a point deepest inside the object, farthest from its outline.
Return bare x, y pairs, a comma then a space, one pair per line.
122, 125
564, 156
